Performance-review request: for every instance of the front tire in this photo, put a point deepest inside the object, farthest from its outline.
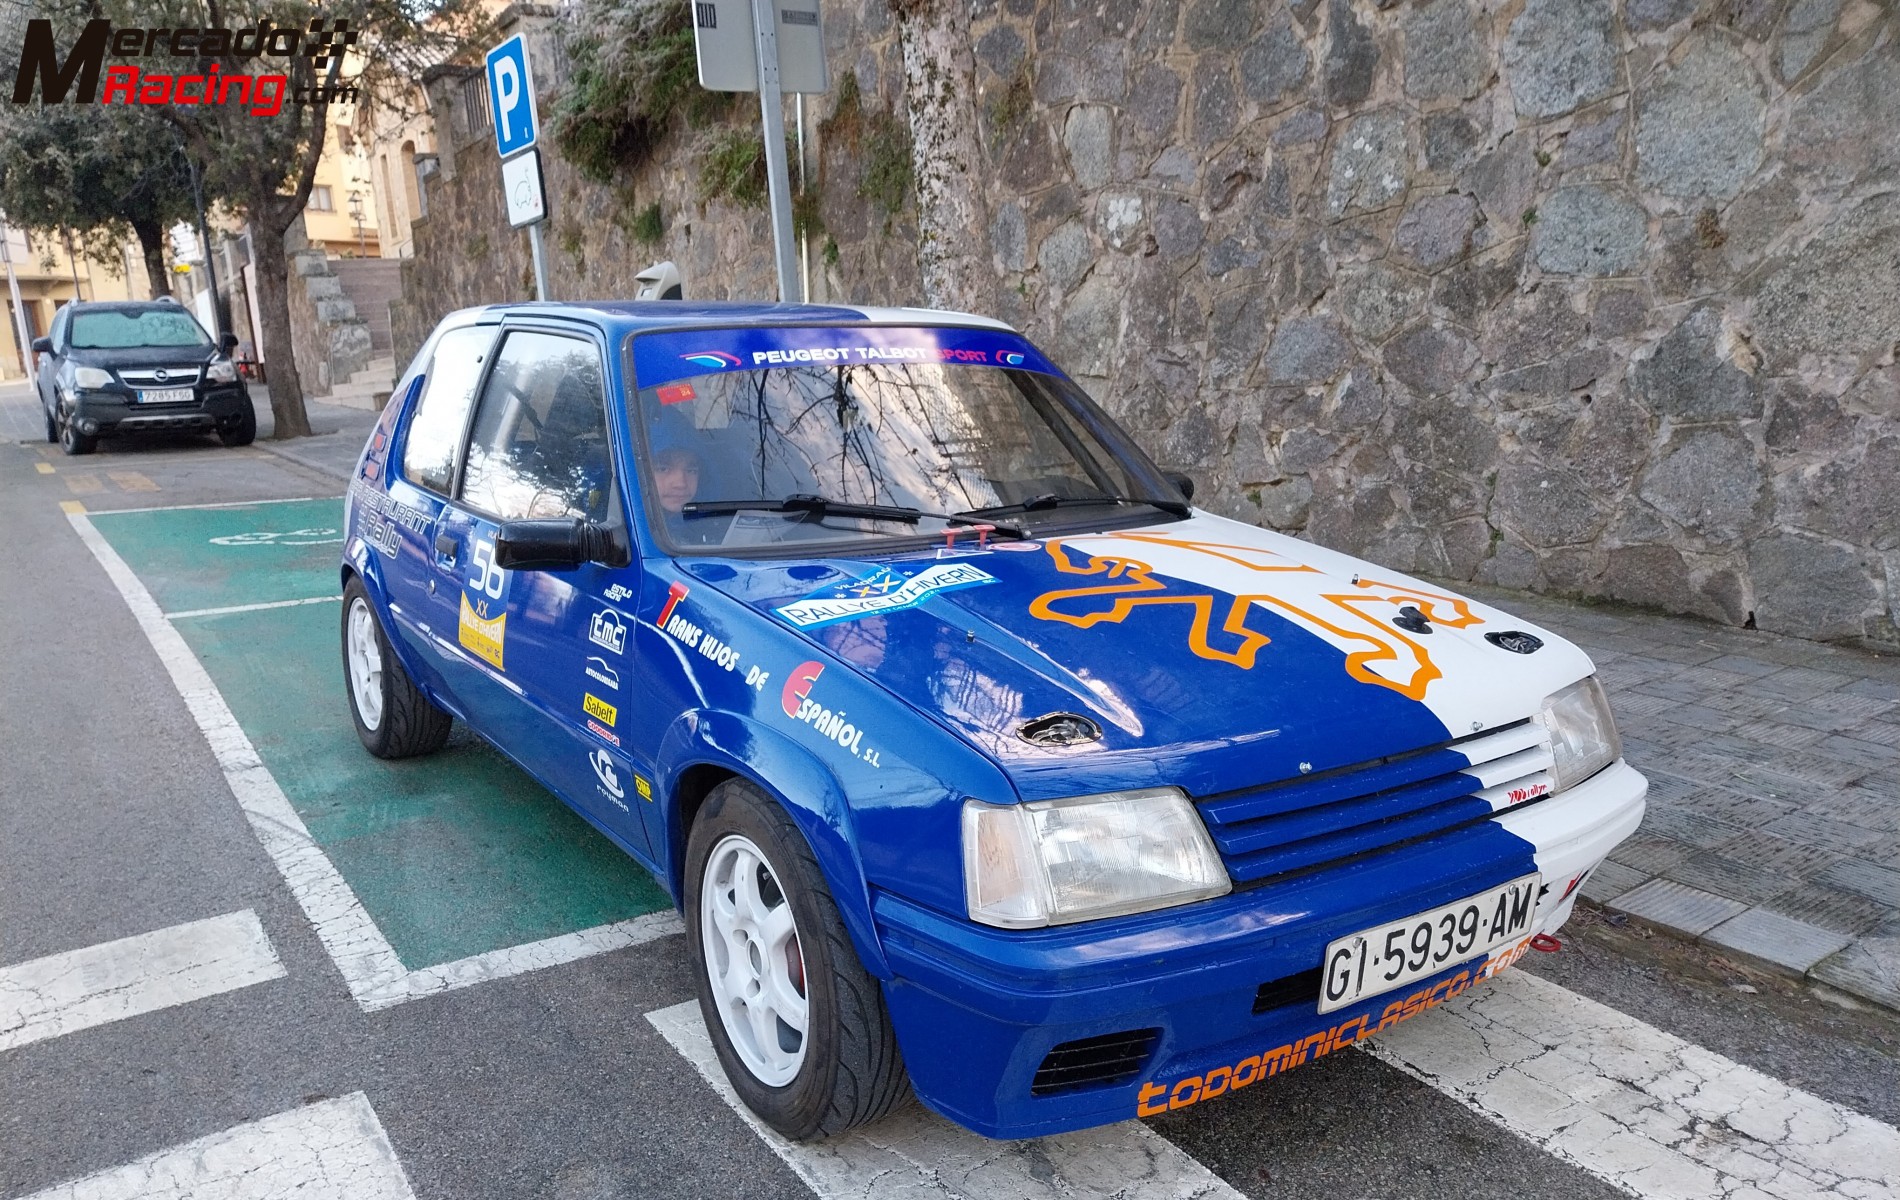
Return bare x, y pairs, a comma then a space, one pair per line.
799, 1025
243, 431
393, 718
74, 442
52, 424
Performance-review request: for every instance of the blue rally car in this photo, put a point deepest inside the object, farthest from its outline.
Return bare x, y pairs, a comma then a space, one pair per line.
979, 762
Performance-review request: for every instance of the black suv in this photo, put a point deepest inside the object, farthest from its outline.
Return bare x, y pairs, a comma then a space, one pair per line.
136, 366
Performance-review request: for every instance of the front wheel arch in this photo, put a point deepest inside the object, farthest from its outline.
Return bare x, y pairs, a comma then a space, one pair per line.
703, 749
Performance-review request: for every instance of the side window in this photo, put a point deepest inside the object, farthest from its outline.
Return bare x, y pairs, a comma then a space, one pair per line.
539, 448
59, 328
435, 431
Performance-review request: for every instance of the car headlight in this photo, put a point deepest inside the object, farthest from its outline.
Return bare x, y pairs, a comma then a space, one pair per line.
91, 377
221, 372
1051, 862
1583, 737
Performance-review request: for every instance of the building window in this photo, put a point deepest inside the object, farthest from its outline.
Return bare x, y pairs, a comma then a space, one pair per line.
320, 199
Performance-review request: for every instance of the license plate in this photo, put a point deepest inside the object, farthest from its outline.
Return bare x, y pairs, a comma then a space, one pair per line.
1392, 955
165, 396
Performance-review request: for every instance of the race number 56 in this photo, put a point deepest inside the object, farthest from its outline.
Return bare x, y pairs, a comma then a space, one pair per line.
486, 577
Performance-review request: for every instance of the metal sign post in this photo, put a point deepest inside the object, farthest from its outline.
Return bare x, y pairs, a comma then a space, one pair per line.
517, 123
786, 54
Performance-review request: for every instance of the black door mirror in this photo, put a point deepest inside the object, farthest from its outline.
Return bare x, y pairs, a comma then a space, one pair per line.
556, 544
228, 342
1182, 480
42, 345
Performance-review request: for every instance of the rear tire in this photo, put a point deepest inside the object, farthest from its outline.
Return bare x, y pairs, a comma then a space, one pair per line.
747, 870
393, 718
74, 442
244, 431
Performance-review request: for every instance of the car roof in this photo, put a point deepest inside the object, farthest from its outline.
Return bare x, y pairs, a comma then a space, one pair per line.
127, 306
634, 316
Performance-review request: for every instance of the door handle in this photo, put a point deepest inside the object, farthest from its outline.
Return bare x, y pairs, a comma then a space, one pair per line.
445, 546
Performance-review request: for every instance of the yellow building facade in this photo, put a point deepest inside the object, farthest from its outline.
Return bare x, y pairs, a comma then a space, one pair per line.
52, 274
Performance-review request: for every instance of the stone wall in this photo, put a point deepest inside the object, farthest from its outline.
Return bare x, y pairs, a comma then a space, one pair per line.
1591, 298
328, 340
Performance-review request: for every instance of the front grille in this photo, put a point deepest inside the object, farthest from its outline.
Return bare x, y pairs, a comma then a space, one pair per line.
174, 377
1319, 820
1101, 1061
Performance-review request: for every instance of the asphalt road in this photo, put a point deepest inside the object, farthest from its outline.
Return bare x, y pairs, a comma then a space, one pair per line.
1625, 1063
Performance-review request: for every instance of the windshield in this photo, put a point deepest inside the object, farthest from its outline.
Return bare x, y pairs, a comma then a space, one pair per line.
124, 330
908, 423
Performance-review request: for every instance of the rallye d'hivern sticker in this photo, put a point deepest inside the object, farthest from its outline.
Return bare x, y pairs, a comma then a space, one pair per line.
883, 591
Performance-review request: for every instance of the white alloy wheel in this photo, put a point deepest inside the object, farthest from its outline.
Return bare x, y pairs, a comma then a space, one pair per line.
366, 665
753, 960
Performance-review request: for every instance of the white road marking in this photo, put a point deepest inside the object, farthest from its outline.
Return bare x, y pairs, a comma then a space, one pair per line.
334, 1150
62, 993
1642, 1109
369, 965
916, 1153
113, 512
244, 608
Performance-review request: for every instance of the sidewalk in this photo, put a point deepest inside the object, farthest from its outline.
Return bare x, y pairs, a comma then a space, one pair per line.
337, 441
1774, 790
1774, 768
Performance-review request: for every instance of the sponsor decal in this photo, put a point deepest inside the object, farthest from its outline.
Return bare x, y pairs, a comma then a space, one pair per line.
598, 670
382, 504
1376, 652
713, 360
674, 594
1009, 358
617, 592
484, 635
597, 708
382, 534
674, 393
798, 686
1017, 547
1160, 1097
1520, 794
841, 354
607, 629
886, 590
797, 701
693, 637
645, 789
603, 733
665, 358
609, 777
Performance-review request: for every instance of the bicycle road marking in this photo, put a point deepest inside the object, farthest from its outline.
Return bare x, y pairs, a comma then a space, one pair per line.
77, 989
371, 969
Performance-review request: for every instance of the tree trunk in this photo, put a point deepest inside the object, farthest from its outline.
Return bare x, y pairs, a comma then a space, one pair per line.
152, 242
273, 308
952, 222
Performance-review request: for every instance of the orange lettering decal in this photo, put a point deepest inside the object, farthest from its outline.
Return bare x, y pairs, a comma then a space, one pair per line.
1150, 1092
1246, 1070
1177, 1101
1208, 1090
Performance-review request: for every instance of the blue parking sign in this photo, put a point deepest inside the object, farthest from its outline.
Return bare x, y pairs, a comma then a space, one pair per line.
511, 96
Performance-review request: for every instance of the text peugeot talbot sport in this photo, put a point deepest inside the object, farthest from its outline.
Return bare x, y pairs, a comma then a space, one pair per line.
980, 763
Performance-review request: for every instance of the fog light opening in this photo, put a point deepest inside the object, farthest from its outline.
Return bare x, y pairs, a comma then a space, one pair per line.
89, 426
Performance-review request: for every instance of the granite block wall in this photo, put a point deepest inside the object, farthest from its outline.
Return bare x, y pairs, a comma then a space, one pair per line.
1586, 297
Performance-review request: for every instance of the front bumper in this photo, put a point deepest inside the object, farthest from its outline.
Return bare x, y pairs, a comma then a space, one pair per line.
977, 1010
108, 413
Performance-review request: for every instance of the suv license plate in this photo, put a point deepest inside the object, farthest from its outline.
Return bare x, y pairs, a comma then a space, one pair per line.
165, 396
1390, 956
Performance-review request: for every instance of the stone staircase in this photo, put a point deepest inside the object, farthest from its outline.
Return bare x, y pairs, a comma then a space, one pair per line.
368, 388
371, 283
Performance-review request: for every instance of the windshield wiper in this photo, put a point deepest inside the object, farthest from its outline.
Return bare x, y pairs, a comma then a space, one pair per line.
818, 507
1051, 500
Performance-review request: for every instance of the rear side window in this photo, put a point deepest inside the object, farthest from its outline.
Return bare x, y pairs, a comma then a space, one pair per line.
435, 431
539, 447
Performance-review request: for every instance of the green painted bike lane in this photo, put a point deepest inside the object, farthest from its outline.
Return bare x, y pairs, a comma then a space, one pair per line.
453, 854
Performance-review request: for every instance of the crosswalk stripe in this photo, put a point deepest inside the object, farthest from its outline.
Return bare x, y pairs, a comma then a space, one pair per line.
915, 1153
61, 993
332, 1150
1640, 1108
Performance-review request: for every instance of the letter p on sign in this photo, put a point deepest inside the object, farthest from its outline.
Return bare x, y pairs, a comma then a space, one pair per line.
511, 97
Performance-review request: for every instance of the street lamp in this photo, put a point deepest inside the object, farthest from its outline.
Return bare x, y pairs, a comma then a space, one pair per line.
356, 214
